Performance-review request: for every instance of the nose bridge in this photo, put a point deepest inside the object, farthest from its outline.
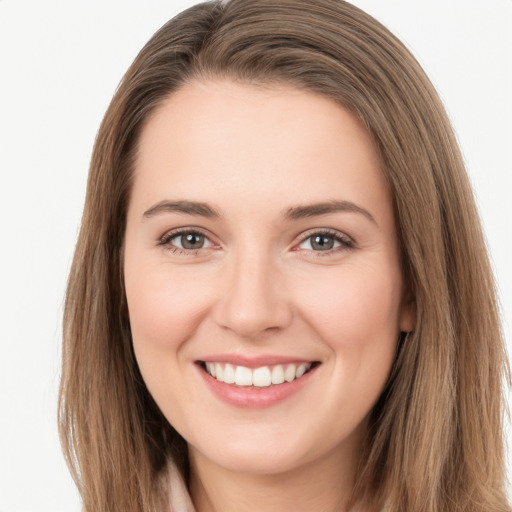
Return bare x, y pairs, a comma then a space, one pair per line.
254, 298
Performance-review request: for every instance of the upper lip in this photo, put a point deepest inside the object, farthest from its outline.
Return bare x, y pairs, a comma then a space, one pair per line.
253, 361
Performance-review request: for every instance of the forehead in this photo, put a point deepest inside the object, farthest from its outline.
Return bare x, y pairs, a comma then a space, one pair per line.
227, 142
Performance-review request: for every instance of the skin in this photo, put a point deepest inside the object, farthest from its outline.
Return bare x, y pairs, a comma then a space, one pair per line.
259, 286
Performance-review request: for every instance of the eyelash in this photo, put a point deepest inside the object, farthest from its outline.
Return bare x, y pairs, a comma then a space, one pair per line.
345, 242
165, 241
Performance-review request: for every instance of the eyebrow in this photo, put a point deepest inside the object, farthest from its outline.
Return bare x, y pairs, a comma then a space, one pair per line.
293, 213
186, 207
317, 209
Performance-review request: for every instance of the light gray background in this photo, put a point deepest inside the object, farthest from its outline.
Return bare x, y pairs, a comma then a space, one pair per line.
60, 62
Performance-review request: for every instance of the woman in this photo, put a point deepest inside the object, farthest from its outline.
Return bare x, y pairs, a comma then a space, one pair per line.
280, 297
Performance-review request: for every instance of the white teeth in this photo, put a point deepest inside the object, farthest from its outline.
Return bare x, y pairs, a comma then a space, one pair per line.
289, 373
219, 372
243, 376
229, 374
210, 368
277, 374
301, 370
261, 377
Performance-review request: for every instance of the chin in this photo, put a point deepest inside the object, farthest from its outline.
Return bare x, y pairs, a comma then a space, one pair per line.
266, 453
256, 461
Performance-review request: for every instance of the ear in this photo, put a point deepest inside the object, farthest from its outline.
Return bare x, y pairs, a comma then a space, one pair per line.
408, 313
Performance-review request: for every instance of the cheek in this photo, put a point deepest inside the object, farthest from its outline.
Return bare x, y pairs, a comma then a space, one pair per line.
164, 307
357, 301
357, 316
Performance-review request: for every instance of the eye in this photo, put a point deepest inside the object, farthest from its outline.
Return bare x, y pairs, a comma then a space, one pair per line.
189, 241
326, 241
185, 241
319, 243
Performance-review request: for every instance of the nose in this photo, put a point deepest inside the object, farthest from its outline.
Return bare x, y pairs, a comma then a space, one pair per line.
254, 298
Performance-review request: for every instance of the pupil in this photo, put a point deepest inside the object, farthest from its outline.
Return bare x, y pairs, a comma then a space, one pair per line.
322, 243
192, 241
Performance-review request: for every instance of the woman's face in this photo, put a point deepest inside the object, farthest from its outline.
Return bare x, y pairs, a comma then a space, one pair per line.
261, 244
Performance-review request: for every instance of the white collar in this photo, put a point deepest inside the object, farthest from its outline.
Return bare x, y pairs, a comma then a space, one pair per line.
178, 497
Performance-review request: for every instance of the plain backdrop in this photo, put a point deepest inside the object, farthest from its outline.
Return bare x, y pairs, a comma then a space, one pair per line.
60, 62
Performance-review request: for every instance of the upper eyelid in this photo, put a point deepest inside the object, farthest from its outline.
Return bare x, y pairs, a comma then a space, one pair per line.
324, 231
187, 229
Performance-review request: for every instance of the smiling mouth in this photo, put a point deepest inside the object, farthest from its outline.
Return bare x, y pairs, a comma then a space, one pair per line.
262, 377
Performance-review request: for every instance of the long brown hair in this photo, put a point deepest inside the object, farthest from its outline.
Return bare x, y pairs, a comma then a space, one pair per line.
435, 442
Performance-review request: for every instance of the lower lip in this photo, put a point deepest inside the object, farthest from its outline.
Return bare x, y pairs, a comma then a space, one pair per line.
254, 397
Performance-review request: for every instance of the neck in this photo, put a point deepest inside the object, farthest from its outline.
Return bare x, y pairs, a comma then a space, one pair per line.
324, 485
